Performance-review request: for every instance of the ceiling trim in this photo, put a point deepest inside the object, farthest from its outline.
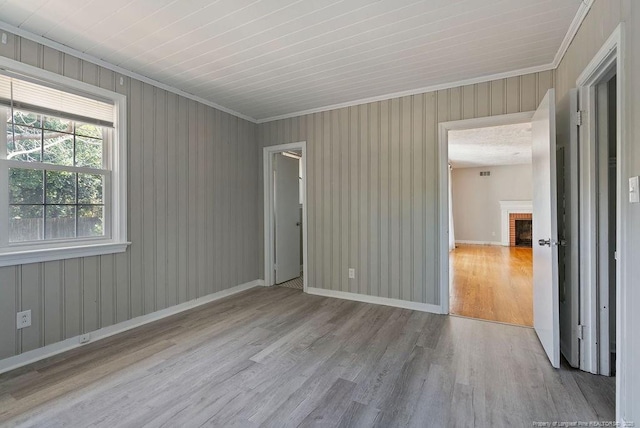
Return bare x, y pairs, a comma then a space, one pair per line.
582, 13
90, 58
448, 85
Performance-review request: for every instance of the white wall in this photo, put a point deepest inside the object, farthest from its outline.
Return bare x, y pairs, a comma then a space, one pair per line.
476, 199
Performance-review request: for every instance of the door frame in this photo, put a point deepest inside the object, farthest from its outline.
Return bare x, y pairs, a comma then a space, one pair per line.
610, 57
269, 218
443, 188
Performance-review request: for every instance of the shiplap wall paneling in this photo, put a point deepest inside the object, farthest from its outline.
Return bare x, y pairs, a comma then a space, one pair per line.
192, 170
372, 190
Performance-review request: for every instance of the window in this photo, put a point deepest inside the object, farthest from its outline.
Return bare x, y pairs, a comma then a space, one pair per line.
62, 184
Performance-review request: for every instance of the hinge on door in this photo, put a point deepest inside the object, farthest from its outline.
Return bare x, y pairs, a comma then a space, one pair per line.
579, 118
580, 332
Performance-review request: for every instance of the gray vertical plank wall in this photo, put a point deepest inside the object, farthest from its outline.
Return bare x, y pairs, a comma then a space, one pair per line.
372, 183
192, 170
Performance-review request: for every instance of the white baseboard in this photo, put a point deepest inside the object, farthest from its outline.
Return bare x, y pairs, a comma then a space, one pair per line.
480, 243
29, 357
405, 304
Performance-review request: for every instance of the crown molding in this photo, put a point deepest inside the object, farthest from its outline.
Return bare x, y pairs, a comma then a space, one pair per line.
581, 14
432, 88
120, 70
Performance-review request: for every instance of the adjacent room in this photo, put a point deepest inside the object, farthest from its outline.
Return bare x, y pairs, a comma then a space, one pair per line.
491, 259
341, 214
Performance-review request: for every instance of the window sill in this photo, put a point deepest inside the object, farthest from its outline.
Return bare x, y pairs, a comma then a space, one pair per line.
21, 257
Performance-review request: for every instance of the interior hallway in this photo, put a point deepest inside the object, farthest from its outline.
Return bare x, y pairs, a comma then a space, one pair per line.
492, 283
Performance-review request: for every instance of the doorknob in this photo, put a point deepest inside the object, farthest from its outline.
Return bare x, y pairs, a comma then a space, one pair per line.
551, 243
543, 242
297, 223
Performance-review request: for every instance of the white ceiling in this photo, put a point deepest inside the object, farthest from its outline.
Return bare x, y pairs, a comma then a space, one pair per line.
492, 146
266, 58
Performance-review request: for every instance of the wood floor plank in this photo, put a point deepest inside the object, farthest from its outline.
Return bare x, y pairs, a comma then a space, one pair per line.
278, 357
492, 283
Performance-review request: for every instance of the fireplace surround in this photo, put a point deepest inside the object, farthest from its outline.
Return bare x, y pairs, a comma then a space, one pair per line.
507, 208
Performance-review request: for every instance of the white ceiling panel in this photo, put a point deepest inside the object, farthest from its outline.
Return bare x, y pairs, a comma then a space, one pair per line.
267, 58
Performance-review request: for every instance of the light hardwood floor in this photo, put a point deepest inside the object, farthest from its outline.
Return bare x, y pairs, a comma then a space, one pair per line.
492, 283
278, 357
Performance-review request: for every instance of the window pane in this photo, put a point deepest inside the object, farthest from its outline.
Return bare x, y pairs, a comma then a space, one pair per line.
24, 143
90, 189
60, 221
90, 220
61, 187
58, 148
26, 118
58, 124
88, 152
25, 186
25, 223
88, 130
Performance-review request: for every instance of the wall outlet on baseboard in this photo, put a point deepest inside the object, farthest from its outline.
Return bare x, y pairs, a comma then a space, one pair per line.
85, 338
23, 319
352, 273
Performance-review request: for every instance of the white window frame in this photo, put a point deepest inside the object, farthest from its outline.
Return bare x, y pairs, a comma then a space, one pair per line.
115, 239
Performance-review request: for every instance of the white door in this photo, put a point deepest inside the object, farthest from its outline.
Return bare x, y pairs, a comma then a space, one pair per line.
546, 314
287, 217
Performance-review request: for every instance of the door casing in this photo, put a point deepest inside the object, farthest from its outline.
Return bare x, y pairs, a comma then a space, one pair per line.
594, 314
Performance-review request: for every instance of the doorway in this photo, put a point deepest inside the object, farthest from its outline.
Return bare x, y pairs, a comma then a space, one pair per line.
544, 226
600, 191
285, 214
490, 232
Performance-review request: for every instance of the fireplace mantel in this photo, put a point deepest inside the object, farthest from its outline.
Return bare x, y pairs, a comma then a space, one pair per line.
512, 207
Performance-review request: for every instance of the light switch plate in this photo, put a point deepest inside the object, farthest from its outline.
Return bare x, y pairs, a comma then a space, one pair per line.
634, 190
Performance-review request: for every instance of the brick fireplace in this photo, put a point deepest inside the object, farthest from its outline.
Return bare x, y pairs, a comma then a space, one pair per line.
510, 212
518, 237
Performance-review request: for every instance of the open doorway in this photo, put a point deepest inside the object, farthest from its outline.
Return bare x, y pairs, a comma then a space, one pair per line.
491, 256
285, 215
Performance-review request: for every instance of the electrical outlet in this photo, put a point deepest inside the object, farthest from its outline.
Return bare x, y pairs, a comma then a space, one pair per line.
4, 38
23, 319
352, 273
85, 338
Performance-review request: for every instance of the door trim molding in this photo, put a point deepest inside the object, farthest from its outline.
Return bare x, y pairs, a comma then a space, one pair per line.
443, 189
612, 52
268, 217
